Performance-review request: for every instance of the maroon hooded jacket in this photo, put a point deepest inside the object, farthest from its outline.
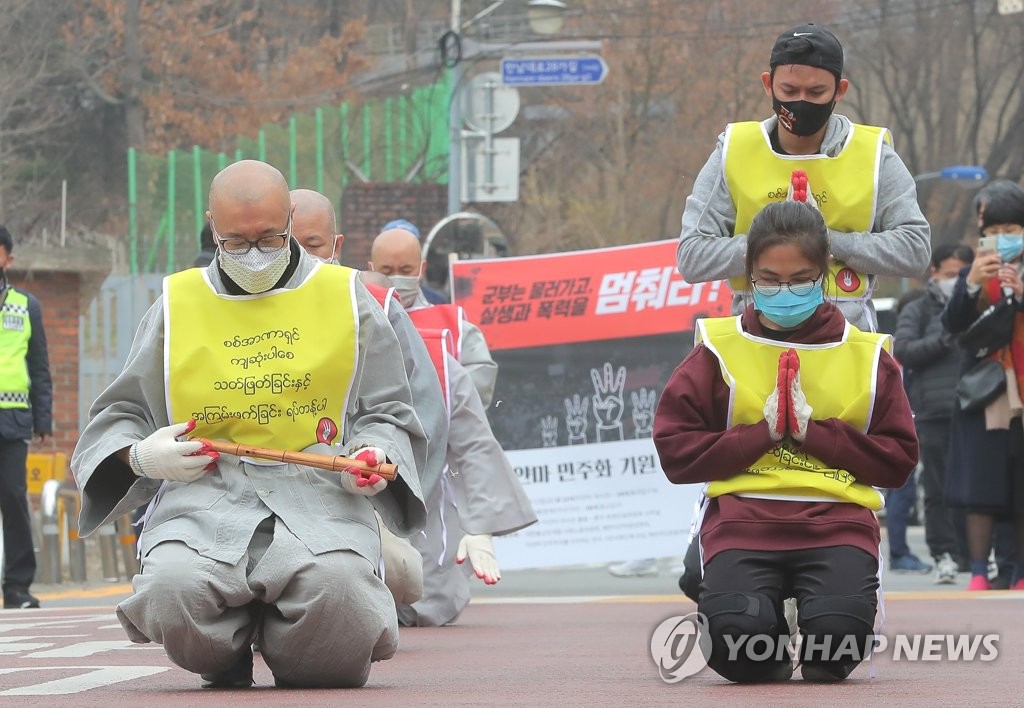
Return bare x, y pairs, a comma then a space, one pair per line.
694, 446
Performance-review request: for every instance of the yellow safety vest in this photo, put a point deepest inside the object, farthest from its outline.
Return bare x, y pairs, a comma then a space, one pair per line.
839, 382
845, 187
15, 331
269, 370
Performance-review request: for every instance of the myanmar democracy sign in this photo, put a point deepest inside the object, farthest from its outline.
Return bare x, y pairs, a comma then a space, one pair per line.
585, 342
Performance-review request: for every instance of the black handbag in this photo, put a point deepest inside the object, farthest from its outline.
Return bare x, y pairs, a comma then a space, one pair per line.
992, 330
981, 384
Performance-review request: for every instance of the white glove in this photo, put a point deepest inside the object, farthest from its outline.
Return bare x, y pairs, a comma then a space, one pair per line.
798, 408
163, 456
775, 407
355, 482
480, 551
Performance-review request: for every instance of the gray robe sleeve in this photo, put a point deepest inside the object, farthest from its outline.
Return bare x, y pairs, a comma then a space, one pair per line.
489, 496
381, 414
427, 397
476, 360
129, 409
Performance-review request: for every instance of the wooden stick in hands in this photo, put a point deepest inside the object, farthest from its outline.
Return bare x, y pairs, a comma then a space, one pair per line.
332, 463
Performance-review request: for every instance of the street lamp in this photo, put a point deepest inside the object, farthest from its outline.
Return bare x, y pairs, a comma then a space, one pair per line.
544, 16
969, 174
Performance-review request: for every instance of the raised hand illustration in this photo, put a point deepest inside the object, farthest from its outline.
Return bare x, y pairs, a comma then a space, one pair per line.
576, 418
549, 430
608, 401
643, 401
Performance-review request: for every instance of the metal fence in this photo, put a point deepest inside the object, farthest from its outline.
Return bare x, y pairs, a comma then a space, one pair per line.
401, 138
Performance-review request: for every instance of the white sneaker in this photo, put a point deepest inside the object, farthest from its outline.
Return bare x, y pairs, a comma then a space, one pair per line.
647, 566
946, 570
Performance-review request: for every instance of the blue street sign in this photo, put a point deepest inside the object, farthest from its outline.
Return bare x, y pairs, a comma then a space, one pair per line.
553, 71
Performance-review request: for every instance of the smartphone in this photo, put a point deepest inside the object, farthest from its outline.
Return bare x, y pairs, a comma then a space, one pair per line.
987, 243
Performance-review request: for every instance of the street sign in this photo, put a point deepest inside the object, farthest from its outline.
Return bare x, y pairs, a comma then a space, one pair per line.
490, 169
553, 71
488, 106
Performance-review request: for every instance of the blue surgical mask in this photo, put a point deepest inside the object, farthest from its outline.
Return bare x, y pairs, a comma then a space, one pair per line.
786, 309
1009, 246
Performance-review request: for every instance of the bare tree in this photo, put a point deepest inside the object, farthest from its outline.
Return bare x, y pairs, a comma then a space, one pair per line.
31, 107
946, 77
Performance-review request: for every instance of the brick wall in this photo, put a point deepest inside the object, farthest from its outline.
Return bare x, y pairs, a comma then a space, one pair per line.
367, 207
59, 294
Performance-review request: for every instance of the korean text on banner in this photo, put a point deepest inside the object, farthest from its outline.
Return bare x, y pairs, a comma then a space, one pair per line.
608, 293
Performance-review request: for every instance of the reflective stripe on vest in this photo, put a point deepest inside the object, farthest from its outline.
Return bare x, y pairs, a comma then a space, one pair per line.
845, 187
271, 370
838, 379
15, 332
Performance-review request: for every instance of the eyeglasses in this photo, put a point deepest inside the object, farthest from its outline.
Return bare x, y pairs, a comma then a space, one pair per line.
241, 246
769, 287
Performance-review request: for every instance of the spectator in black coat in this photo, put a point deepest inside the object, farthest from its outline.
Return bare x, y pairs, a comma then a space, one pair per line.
931, 363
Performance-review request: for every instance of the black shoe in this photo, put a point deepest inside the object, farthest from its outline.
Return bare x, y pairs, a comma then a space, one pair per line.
824, 673
282, 683
18, 599
1000, 582
238, 676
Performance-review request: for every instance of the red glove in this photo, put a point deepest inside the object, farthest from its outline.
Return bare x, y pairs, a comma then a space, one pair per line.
798, 410
353, 479
776, 408
800, 190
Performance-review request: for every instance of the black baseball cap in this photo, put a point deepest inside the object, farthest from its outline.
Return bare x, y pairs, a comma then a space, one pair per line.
810, 45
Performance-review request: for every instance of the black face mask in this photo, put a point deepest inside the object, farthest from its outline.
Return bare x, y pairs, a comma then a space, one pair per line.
802, 118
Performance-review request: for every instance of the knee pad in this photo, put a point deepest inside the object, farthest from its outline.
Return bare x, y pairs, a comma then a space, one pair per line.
749, 636
837, 629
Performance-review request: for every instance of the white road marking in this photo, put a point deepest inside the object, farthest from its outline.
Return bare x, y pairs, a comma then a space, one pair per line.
96, 677
17, 648
77, 651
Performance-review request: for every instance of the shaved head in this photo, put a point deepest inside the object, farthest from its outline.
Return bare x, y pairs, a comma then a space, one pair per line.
313, 204
396, 252
314, 224
249, 199
249, 182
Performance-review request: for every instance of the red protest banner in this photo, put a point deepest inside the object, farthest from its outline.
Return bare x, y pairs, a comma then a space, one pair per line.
582, 296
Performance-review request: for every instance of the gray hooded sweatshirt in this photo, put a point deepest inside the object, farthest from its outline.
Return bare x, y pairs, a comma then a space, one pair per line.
899, 243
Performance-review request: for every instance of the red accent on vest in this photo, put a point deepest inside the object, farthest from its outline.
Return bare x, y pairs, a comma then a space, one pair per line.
381, 295
447, 317
440, 343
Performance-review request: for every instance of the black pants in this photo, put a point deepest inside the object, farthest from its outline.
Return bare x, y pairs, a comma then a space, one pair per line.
835, 589
939, 530
19, 554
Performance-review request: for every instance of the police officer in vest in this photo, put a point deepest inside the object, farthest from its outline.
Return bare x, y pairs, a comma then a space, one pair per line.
864, 191
26, 402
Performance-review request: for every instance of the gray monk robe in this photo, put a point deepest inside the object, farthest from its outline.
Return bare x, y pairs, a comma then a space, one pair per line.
473, 352
402, 562
281, 548
478, 494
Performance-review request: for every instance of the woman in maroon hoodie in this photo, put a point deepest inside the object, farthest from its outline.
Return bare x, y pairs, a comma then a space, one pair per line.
791, 416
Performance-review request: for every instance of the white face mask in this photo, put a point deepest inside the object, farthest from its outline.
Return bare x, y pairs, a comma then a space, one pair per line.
255, 271
407, 287
946, 287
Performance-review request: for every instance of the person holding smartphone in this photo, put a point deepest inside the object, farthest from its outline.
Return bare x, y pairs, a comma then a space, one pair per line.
986, 466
